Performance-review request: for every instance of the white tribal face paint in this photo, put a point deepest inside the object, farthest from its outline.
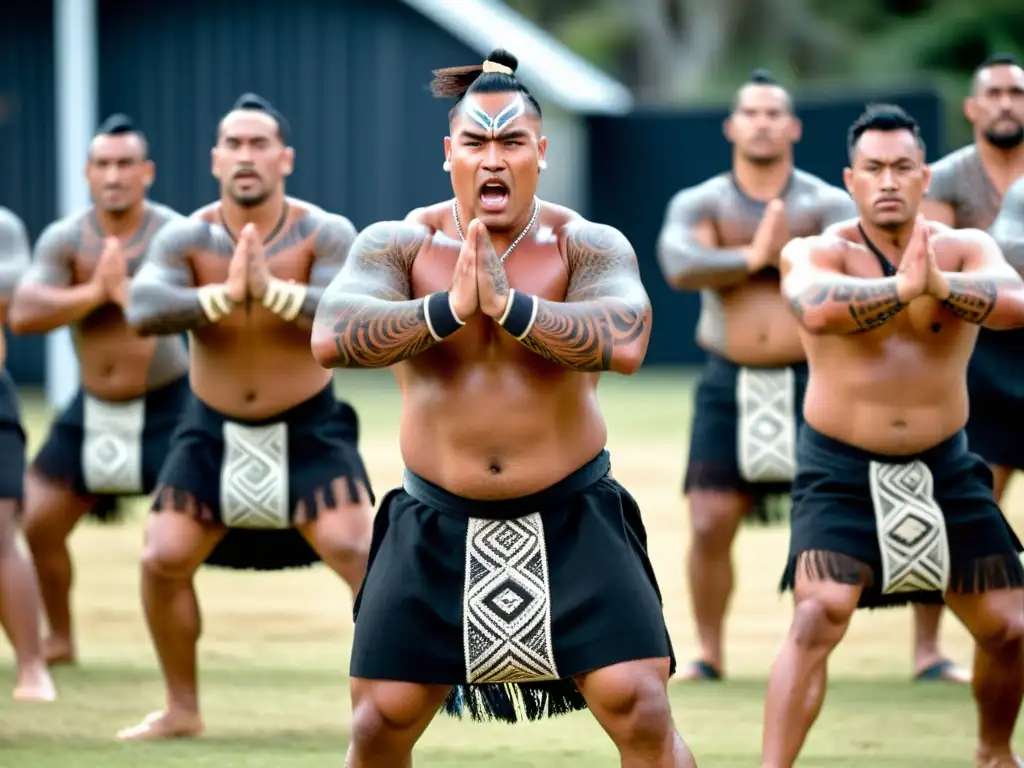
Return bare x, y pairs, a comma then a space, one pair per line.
494, 125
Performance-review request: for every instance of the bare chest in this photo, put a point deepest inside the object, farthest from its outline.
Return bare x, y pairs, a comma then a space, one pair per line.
88, 256
536, 270
212, 266
738, 229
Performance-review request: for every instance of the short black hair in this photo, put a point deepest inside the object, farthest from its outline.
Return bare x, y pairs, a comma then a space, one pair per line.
256, 103
762, 76
885, 118
456, 82
120, 124
994, 60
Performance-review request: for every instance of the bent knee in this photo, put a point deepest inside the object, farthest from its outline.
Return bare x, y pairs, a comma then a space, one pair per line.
1004, 638
820, 621
715, 517
633, 703
385, 710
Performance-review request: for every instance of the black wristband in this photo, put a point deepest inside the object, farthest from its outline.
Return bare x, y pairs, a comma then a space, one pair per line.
520, 312
441, 319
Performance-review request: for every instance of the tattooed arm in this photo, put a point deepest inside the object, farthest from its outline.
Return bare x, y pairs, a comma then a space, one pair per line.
164, 299
367, 317
827, 301
604, 324
333, 238
986, 290
46, 297
1008, 229
14, 256
687, 252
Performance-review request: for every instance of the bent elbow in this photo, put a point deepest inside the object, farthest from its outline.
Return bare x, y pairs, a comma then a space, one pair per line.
324, 349
628, 360
677, 273
21, 321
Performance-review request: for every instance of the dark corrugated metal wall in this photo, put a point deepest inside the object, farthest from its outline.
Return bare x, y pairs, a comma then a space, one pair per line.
27, 164
350, 75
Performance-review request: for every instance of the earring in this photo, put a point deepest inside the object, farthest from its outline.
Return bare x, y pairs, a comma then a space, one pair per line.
447, 165
542, 164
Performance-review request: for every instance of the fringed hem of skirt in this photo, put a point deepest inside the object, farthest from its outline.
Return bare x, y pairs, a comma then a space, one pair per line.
985, 574
107, 509
513, 702
770, 501
241, 549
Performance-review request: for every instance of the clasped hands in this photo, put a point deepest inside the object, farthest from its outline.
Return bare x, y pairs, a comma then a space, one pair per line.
110, 278
918, 273
249, 277
479, 283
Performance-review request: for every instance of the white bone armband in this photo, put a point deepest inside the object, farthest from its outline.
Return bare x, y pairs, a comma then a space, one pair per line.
284, 299
215, 302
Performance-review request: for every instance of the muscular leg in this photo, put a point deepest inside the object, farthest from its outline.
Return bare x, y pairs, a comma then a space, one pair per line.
341, 536
715, 517
630, 702
996, 621
927, 654
796, 686
176, 545
51, 513
19, 611
388, 719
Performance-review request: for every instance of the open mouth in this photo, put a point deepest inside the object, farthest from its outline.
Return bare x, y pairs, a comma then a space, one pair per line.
493, 196
246, 176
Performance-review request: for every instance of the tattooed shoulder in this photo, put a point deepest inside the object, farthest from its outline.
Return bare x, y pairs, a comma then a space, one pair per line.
600, 257
334, 235
175, 242
380, 260
698, 203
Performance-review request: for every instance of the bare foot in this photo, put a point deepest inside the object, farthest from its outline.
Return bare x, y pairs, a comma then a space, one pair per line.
163, 725
35, 684
58, 651
696, 670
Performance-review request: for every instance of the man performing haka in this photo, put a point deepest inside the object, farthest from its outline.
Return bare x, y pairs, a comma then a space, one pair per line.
112, 438
966, 190
723, 237
510, 562
264, 472
19, 591
889, 504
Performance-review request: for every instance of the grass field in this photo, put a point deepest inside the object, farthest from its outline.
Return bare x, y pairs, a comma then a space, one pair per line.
275, 646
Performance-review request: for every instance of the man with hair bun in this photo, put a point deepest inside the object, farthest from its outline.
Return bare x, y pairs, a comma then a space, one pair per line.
264, 471
110, 440
889, 503
509, 574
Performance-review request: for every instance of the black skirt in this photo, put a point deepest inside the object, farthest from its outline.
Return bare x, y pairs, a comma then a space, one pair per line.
508, 600
289, 461
61, 461
941, 530
12, 443
745, 424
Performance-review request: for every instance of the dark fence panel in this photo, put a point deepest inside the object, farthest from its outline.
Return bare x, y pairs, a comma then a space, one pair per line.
350, 75
639, 161
27, 137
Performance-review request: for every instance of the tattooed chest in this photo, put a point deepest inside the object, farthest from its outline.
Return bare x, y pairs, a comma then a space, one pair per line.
737, 231
87, 258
